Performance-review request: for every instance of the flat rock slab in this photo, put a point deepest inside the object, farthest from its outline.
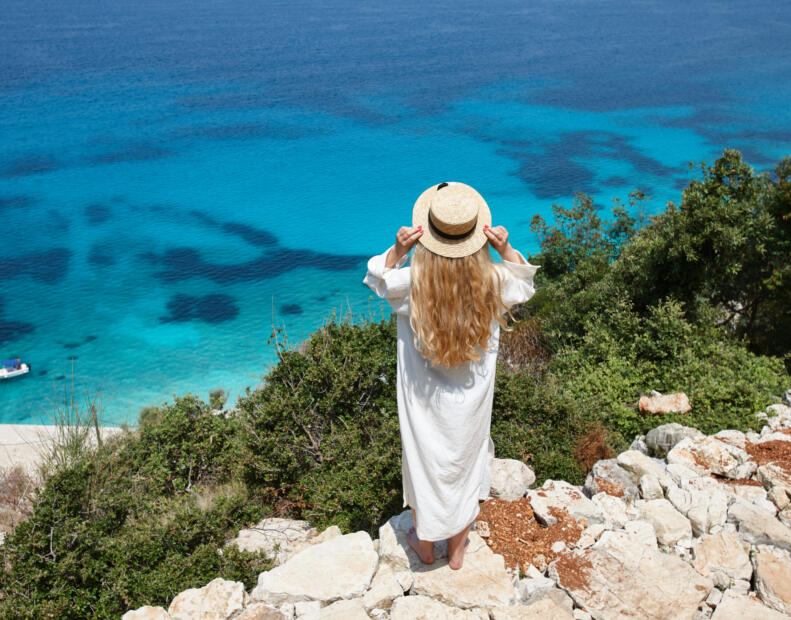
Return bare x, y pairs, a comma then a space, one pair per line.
341, 567
260, 611
669, 524
559, 494
621, 576
146, 613
758, 526
481, 582
735, 606
722, 557
217, 600
426, 608
344, 610
773, 580
540, 610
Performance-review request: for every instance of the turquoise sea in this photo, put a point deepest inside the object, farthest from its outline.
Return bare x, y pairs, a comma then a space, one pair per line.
178, 179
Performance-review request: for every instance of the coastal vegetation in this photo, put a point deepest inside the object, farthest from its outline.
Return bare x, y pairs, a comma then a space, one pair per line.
695, 299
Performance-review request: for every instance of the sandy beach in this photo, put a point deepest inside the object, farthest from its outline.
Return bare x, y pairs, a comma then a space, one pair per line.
23, 444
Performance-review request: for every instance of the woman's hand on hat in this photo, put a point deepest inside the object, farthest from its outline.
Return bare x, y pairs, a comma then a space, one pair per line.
498, 238
406, 237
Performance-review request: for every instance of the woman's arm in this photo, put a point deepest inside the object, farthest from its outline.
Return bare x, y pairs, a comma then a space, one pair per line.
406, 237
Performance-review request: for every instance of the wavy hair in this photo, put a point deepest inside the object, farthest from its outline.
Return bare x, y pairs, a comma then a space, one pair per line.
453, 302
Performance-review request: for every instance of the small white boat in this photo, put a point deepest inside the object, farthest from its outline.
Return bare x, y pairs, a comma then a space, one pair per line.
13, 368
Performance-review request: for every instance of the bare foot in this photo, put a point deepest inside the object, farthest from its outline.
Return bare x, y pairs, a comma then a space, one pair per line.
456, 548
424, 548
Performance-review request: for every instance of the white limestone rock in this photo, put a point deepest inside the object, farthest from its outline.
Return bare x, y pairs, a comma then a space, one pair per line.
275, 537
677, 402
639, 464
481, 582
757, 526
650, 487
540, 609
341, 567
146, 613
706, 508
623, 576
669, 524
307, 610
384, 588
735, 606
723, 557
732, 437
262, 611
510, 479
775, 478
395, 551
710, 455
660, 440
609, 477
217, 600
344, 610
426, 608
773, 580
612, 508
561, 494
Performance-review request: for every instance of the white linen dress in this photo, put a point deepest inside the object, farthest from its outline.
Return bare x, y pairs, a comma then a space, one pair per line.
444, 414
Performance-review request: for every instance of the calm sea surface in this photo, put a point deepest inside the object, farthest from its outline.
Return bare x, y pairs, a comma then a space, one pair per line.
178, 178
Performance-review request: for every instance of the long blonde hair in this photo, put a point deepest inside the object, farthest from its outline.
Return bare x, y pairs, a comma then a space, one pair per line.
452, 304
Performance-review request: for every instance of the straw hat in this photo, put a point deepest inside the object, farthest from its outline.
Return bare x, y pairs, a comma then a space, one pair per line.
452, 216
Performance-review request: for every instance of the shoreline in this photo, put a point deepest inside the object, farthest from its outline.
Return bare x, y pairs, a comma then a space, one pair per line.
22, 444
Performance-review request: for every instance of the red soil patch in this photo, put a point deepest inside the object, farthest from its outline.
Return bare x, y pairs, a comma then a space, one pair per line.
609, 487
573, 571
519, 538
775, 451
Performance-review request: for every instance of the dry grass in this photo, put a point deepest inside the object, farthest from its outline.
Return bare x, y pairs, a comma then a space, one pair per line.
523, 347
593, 446
16, 494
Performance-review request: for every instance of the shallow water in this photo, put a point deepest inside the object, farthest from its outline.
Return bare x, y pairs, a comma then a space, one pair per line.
178, 178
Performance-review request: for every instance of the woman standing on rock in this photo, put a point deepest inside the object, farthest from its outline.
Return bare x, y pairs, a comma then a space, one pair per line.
450, 305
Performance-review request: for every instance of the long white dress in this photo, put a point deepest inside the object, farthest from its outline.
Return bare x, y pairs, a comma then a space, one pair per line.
444, 413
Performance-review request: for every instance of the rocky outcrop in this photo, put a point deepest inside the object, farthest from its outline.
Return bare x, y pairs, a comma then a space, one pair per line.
702, 533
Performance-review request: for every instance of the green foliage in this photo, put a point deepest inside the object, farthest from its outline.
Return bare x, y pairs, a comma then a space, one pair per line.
134, 522
323, 429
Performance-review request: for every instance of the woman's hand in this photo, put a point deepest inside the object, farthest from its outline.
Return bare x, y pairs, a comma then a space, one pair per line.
498, 239
406, 237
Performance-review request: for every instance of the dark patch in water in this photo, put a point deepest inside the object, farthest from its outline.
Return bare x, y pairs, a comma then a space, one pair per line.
214, 308
89, 339
13, 330
290, 309
60, 377
556, 173
184, 263
140, 151
101, 255
29, 164
16, 202
41, 373
321, 298
97, 214
48, 267
250, 234
71, 345
615, 181
246, 131
680, 183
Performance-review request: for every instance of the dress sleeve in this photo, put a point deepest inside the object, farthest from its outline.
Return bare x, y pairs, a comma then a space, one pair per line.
517, 281
388, 283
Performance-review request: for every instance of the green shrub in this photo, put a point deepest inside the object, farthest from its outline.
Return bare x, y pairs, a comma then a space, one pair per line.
323, 428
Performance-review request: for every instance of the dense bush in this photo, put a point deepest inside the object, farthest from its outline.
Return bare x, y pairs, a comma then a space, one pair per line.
323, 429
134, 522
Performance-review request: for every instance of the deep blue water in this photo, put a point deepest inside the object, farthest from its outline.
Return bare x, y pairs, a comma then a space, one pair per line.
176, 178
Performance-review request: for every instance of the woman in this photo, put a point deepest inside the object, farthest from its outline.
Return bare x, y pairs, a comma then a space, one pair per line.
450, 305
